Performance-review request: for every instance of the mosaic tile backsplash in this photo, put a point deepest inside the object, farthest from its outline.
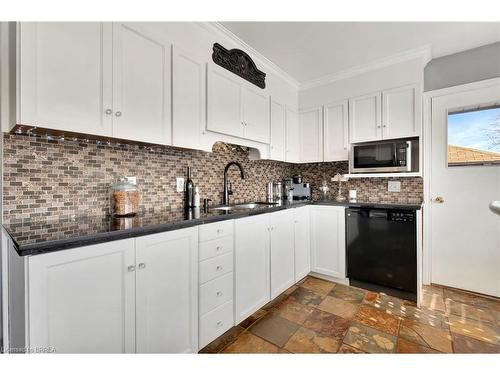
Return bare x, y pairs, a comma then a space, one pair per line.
58, 179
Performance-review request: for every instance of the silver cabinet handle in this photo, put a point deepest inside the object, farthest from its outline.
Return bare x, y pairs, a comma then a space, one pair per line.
219, 231
219, 268
219, 294
219, 323
118, 113
108, 111
218, 248
131, 268
142, 266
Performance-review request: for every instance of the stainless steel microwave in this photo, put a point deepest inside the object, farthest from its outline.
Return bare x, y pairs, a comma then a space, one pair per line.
383, 156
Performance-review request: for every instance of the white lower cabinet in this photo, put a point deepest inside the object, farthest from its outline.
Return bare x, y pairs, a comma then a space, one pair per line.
167, 292
252, 273
328, 240
282, 251
216, 280
302, 242
118, 297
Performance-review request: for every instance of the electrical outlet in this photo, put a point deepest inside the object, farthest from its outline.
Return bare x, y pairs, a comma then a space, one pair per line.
132, 180
180, 184
394, 186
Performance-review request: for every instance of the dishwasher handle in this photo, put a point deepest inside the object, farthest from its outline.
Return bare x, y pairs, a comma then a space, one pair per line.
378, 214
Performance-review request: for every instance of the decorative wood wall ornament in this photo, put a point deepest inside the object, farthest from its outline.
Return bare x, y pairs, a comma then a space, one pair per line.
239, 63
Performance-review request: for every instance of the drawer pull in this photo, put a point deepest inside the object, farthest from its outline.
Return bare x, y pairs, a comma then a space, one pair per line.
218, 248
220, 324
220, 231
220, 268
219, 294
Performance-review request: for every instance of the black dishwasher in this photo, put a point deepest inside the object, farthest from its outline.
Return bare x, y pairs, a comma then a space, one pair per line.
382, 250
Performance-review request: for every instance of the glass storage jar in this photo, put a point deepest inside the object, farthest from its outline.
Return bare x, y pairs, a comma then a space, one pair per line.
124, 198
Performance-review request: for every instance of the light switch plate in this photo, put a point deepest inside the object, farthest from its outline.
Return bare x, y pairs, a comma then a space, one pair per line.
180, 184
394, 186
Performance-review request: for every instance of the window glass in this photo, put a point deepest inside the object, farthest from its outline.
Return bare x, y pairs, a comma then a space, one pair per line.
474, 137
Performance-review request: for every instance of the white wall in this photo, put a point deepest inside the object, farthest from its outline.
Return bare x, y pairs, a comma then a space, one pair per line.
400, 74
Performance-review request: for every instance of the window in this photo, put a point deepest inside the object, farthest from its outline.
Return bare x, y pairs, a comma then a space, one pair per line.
474, 136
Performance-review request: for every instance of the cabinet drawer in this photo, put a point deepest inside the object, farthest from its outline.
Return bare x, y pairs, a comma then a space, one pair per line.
216, 230
215, 267
219, 246
215, 293
215, 323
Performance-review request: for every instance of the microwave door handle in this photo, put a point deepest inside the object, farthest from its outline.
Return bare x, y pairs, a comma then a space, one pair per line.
395, 161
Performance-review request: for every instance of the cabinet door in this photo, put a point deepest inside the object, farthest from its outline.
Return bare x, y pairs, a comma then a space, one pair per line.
335, 131
365, 118
64, 72
328, 240
252, 284
282, 251
141, 85
83, 300
188, 98
401, 112
256, 115
224, 103
167, 292
292, 136
302, 237
278, 132
311, 135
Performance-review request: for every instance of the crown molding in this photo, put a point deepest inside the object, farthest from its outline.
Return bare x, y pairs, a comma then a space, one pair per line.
423, 52
216, 27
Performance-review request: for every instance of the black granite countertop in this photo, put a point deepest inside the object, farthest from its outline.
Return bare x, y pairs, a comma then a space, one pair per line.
43, 236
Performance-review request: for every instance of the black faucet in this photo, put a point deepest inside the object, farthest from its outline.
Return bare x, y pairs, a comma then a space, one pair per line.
225, 198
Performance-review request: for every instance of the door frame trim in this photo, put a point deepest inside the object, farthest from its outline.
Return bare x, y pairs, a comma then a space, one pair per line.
427, 156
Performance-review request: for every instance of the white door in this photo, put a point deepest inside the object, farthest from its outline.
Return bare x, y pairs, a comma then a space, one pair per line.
292, 136
277, 149
251, 273
224, 103
83, 300
256, 115
465, 234
65, 76
167, 292
328, 240
188, 98
302, 237
141, 85
282, 251
335, 131
401, 108
365, 118
311, 135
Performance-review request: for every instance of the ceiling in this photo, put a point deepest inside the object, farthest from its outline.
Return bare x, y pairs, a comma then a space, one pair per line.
311, 50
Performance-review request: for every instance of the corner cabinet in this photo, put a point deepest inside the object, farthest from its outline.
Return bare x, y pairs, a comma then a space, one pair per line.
328, 249
119, 297
105, 79
236, 109
389, 114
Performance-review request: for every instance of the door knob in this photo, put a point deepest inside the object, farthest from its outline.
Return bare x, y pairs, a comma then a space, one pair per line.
439, 200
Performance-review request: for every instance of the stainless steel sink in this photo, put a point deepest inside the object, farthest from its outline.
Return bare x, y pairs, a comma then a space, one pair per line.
243, 206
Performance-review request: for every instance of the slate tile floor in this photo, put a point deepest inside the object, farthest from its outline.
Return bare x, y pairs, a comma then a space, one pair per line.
318, 316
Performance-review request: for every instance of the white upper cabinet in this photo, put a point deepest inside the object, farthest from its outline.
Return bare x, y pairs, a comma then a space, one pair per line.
282, 251
277, 149
224, 103
141, 85
401, 112
83, 300
389, 114
292, 136
251, 270
328, 240
311, 135
167, 292
256, 114
236, 109
64, 72
188, 98
365, 118
335, 131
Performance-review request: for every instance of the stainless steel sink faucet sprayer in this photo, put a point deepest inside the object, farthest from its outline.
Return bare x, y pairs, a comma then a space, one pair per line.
227, 191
